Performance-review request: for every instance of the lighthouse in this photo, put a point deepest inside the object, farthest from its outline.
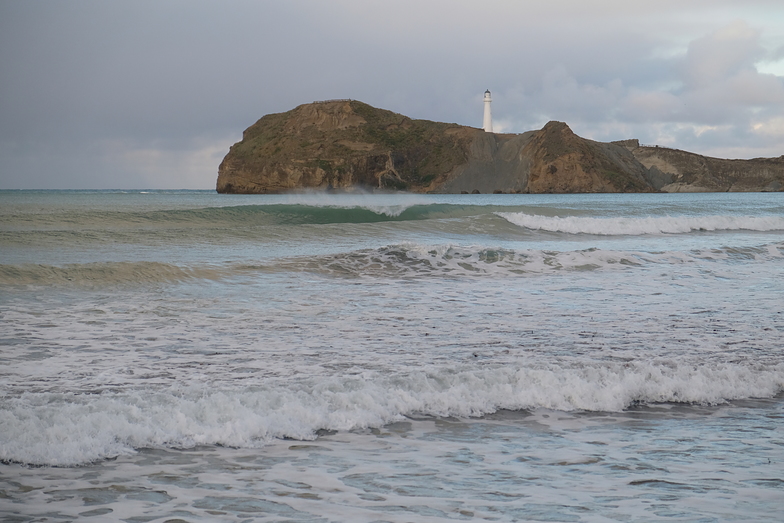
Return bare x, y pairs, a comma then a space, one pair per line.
487, 124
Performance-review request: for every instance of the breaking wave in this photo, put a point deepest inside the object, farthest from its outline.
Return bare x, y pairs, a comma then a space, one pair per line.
409, 260
248, 215
647, 225
415, 260
70, 429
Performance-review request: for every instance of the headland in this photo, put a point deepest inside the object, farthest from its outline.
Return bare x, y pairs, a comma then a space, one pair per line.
345, 145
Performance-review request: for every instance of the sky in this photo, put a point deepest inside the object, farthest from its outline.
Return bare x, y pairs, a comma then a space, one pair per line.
134, 94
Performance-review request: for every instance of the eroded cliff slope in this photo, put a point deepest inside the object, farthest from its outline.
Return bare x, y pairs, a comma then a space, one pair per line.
682, 171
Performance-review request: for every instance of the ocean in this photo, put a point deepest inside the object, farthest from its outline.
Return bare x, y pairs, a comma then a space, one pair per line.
170, 356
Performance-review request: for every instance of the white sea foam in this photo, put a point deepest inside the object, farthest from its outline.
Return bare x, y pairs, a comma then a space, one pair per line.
401, 260
643, 225
390, 205
413, 259
68, 429
195, 326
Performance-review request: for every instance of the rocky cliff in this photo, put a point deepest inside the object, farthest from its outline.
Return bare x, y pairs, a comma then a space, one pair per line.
681, 171
346, 144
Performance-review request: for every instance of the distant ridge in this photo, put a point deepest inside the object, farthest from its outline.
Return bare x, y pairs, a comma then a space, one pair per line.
344, 145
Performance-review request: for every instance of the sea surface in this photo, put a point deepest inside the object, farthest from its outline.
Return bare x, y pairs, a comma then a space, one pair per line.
188, 356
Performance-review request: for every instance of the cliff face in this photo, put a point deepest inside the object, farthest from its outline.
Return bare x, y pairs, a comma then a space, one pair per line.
563, 162
341, 145
682, 171
347, 144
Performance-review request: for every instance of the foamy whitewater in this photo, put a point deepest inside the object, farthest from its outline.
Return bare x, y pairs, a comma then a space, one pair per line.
188, 356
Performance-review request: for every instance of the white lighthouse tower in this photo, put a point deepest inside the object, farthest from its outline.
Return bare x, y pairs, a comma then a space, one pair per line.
487, 124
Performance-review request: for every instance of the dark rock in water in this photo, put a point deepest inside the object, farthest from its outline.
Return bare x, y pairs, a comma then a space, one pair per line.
344, 145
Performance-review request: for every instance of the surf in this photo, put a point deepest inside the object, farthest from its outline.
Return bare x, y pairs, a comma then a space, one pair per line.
617, 226
67, 429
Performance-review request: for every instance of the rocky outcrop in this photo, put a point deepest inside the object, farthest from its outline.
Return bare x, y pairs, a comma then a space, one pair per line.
346, 144
682, 171
343, 144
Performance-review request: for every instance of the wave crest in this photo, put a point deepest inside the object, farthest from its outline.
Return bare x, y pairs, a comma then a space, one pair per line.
645, 225
410, 260
416, 260
70, 429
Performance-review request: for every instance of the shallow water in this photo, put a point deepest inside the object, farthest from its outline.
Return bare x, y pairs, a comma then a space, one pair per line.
192, 356
667, 462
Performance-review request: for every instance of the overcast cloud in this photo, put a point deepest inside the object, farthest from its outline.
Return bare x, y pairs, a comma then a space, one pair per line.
151, 94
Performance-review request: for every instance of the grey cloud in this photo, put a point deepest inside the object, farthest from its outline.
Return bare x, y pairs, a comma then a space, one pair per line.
722, 54
721, 82
112, 93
